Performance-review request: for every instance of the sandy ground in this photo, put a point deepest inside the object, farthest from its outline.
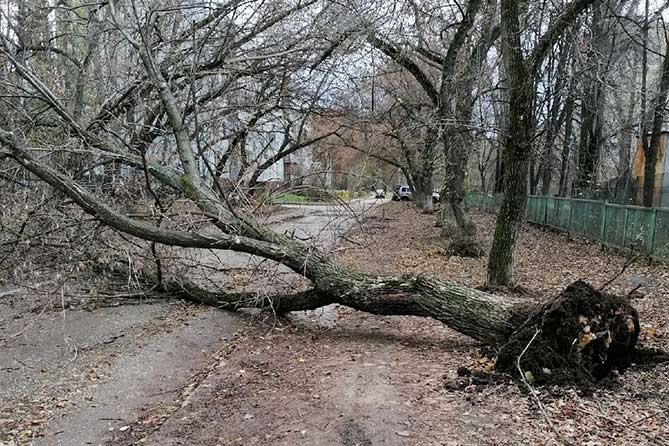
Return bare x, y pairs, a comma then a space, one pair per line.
340, 377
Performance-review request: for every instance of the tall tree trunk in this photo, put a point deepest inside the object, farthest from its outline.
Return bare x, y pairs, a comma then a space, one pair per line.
484, 185
650, 155
499, 169
520, 75
590, 141
567, 142
516, 149
592, 108
455, 222
422, 193
625, 135
535, 174
547, 176
643, 130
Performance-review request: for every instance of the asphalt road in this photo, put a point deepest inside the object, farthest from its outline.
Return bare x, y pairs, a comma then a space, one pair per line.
75, 377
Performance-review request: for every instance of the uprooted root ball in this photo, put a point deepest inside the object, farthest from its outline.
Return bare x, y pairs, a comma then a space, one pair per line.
579, 337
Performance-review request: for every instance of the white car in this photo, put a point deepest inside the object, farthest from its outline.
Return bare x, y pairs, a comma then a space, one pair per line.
403, 193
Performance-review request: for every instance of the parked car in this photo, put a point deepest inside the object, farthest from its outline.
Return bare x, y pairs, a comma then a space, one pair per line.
402, 193
379, 194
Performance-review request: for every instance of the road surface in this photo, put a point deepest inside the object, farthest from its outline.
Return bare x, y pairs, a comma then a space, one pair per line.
77, 377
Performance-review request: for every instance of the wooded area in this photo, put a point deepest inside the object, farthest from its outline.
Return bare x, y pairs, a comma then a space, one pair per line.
135, 133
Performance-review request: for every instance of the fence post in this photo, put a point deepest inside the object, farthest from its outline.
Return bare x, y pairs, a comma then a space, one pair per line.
625, 228
557, 212
602, 231
650, 242
526, 216
545, 210
571, 213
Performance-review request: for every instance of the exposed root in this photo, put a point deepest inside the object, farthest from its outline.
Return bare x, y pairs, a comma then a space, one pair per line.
584, 334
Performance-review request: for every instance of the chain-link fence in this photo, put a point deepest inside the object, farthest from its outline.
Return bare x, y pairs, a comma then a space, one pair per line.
628, 227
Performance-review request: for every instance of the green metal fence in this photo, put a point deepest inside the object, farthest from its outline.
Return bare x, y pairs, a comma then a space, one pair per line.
627, 227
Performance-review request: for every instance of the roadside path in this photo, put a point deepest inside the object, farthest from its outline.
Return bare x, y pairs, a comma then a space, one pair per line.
77, 377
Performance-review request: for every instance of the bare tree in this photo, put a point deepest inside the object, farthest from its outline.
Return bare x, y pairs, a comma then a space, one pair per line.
500, 321
452, 96
520, 77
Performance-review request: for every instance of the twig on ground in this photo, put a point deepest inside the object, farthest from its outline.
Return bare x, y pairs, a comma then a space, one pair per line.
651, 437
22, 363
18, 333
647, 417
630, 259
629, 295
534, 393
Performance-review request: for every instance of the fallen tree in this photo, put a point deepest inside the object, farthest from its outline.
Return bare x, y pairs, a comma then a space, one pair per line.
581, 329
579, 336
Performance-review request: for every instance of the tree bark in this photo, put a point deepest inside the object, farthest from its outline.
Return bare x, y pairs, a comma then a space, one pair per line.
422, 191
650, 155
517, 148
520, 75
566, 144
455, 223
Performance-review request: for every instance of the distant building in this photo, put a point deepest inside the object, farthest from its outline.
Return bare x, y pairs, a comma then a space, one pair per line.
297, 165
262, 143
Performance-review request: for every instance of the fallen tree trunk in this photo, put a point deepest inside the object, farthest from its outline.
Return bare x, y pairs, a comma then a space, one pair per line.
485, 317
579, 336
